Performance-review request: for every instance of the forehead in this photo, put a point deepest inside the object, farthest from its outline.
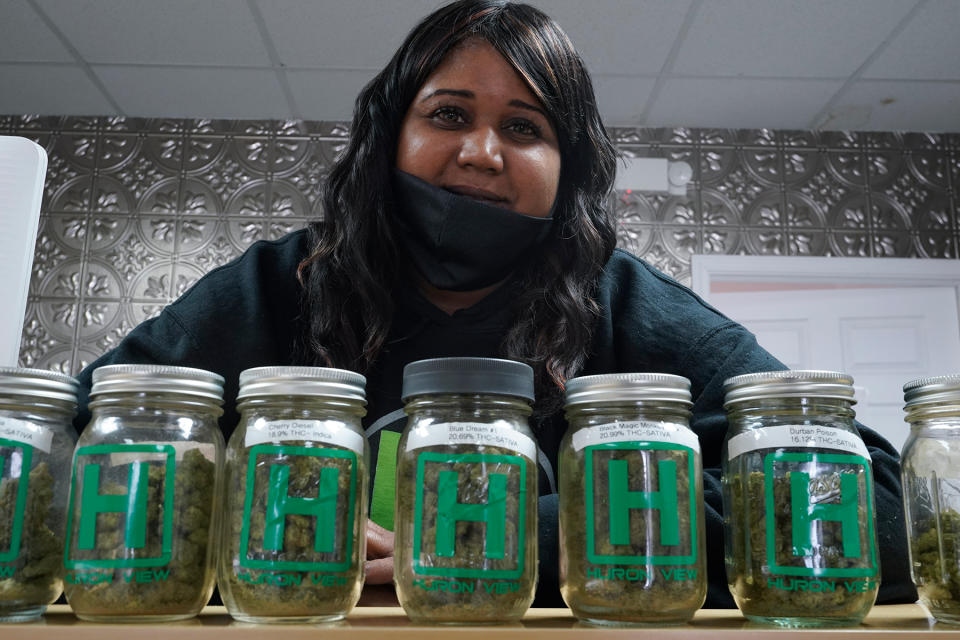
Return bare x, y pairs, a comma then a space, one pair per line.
475, 61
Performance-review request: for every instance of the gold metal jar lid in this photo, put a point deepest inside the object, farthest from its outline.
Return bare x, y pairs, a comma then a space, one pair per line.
155, 378
37, 383
302, 381
770, 385
629, 387
937, 390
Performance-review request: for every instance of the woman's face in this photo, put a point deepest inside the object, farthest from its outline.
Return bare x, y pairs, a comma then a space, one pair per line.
476, 129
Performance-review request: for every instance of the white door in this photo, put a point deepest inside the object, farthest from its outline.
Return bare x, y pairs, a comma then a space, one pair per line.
883, 337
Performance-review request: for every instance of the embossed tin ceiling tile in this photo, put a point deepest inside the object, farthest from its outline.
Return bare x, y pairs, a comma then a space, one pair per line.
47, 255
765, 242
726, 240
882, 140
954, 161
331, 128
110, 196
756, 137
243, 232
104, 230
936, 244
763, 164
112, 335
161, 198
716, 163
166, 150
152, 286
83, 356
201, 153
139, 175
96, 318
842, 140
249, 200
279, 227
794, 139
680, 210
197, 199
130, 254
799, 165
286, 200
886, 214
930, 167
211, 126
767, 210
288, 128
193, 234
59, 318
159, 233
848, 243
69, 229
137, 311
935, 216
633, 207
251, 153
80, 123
848, 167
681, 242
806, 242
665, 261
100, 280
123, 124
44, 139
850, 214
740, 188
330, 151
893, 244
925, 141
217, 252
114, 151
717, 210
73, 195
801, 211
185, 275
33, 122
289, 154
825, 190
35, 341
59, 360
635, 238
309, 176
883, 168
6, 124
720, 137
78, 149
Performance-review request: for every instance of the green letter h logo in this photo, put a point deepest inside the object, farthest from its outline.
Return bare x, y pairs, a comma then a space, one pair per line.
323, 508
493, 513
847, 513
133, 504
622, 500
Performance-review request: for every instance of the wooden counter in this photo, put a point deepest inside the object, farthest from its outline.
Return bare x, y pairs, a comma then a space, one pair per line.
389, 623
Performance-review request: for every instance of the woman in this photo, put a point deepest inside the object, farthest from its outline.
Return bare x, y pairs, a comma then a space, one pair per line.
467, 217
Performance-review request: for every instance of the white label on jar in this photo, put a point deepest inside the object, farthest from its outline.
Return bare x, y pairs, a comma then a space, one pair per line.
27, 433
635, 431
472, 433
804, 436
329, 431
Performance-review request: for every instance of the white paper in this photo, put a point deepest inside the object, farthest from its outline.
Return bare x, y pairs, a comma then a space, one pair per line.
635, 431
793, 436
328, 431
28, 433
472, 433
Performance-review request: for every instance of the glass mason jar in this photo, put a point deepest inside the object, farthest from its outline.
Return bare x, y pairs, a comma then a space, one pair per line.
36, 442
295, 518
798, 503
632, 547
143, 508
466, 502
931, 492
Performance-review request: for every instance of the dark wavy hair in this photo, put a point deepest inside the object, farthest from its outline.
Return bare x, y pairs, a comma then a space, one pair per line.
356, 261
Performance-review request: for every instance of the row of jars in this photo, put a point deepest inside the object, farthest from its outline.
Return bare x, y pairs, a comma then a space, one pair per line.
150, 519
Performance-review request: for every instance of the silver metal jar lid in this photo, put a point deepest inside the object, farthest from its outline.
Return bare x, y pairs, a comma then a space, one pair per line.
629, 387
468, 375
155, 378
37, 383
768, 385
302, 381
935, 390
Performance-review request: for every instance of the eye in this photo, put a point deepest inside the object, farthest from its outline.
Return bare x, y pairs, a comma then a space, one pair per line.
524, 128
448, 115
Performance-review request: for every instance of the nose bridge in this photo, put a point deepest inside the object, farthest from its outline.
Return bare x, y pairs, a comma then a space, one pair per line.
481, 147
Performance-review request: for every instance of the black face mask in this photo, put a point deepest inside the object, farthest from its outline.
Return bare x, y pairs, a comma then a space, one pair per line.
458, 243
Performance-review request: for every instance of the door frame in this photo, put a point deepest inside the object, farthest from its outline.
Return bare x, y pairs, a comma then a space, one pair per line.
876, 272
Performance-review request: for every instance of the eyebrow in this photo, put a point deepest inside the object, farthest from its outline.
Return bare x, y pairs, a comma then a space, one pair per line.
463, 93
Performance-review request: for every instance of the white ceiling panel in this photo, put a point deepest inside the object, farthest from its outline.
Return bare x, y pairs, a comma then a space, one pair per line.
201, 93
928, 48
622, 98
193, 32
50, 90
360, 34
786, 38
25, 38
620, 36
896, 106
327, 95
740, 103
